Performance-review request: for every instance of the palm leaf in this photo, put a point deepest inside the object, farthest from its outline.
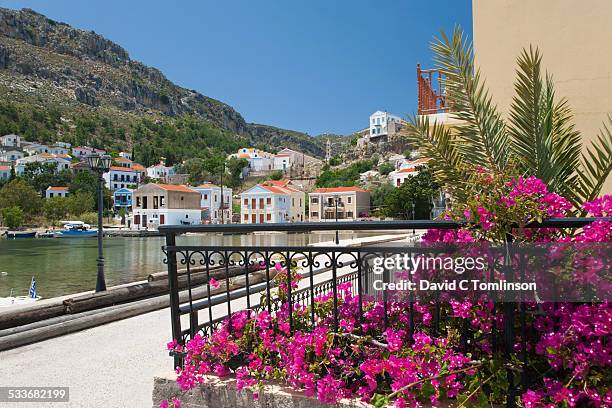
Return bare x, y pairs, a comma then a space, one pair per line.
543, 139
482, 138
596, 165
438, 143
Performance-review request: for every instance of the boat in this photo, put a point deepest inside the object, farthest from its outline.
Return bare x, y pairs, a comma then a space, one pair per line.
19, 234
46, 234
76, 229
21, 300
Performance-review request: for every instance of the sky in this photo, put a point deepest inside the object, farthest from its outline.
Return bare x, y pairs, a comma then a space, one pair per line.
314, 66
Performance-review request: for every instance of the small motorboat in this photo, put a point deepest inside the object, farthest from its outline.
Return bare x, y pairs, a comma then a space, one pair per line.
21, 300
46, 234
19, 234
76, 229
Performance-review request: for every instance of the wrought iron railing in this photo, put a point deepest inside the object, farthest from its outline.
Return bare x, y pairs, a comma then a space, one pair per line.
247, 277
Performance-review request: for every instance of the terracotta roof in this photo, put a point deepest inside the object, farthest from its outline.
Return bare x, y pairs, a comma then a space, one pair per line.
275, 189
340, 190
244, 156
408, 170
119, 168
207, 185
67, 156
5, 168
175, 187
122, 160
277, 183
50, 188
138, 167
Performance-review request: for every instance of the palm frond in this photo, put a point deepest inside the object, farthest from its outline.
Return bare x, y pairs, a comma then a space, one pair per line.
483, 139
543, 139
596, 165
438, 143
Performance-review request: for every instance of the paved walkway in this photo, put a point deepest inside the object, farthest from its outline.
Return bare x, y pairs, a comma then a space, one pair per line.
112, 365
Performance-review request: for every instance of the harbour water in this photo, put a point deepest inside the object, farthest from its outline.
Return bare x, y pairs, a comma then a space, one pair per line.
66, 266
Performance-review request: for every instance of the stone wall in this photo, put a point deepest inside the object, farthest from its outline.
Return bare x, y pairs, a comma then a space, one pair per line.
221, 393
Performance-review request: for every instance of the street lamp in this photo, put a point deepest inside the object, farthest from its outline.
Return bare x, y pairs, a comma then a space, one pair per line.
100, 164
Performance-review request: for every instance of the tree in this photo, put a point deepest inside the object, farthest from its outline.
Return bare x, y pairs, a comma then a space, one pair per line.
42, 175
416, 192
380, 194
538, 139
12, 217
80, 202
234, 167
87, 182
385, 168
277, 175
56, 208
18, 193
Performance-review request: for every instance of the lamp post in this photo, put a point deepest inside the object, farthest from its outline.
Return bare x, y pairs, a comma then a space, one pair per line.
222, 209
100, 164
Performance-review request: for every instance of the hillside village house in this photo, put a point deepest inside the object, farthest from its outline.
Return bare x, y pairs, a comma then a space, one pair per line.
258, 159
122, 162
352, 203
11, 155
406, 168
5, 172
264, 204
56, 192
10, 140
126, 155
160, 171
165, 204
297, 212
121, 177
214, 209
61, 162
122, 198
383, 125
83, 151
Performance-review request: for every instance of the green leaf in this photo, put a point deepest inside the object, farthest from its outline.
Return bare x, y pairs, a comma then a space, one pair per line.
379, 400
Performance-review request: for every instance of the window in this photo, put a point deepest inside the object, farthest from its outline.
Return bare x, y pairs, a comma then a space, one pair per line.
246, 217
246, 202
268, 201
50, 194
314, 214
206, 196
349, 200
314, 200
162, 201
378, 121
155, 202
292, 201
215, 198
261, 203
268, 217
137, 201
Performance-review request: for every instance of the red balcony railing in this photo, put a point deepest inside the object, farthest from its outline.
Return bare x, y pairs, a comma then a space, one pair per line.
431, 97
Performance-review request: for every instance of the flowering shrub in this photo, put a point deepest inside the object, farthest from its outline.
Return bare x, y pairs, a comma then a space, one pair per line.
569, 354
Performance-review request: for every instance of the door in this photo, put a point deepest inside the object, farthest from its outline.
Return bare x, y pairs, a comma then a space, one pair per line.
144, 220
254, 219
261, 218
162, 219
136, 220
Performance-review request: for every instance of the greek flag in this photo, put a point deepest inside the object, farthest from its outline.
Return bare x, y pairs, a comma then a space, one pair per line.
33, 288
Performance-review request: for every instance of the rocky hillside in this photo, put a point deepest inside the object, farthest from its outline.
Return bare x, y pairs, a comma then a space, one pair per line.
48, 63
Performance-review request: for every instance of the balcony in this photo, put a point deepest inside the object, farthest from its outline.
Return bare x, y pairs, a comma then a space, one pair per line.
431, 94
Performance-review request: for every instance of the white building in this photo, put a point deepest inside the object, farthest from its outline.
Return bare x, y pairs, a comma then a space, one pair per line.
160, 171
61, 163
5, 173
126, 155
165, 204
406, 168
121, 177
215, 210
83, 151
56, 192
282, 162
59, 149
265, 204
11, 155
10, 140
36, 148
259, 160
383, 125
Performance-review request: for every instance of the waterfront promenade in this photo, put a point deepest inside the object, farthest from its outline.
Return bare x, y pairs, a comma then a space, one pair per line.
112, 365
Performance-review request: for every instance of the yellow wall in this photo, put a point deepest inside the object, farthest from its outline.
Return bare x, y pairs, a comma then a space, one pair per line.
575, 38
